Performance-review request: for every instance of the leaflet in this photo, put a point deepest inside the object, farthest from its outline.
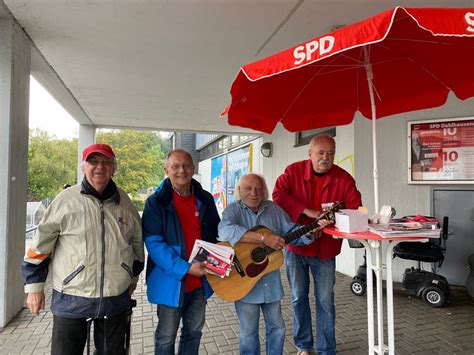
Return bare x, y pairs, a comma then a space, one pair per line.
408, 229
216, 258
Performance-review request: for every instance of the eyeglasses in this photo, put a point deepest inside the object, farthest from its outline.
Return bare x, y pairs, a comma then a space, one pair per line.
103, 162
176, 167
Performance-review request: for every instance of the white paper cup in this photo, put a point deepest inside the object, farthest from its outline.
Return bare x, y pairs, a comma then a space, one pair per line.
385, 219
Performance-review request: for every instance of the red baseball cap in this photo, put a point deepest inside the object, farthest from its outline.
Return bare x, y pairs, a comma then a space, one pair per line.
103, 149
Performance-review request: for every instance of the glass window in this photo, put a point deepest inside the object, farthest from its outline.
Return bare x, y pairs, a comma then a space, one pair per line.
226, 142
304, 137
222, 144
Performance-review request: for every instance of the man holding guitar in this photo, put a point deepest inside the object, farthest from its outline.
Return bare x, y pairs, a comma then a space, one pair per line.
302, 190
252, 208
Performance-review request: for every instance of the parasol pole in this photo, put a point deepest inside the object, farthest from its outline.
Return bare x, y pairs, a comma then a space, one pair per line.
377, 267
370, 76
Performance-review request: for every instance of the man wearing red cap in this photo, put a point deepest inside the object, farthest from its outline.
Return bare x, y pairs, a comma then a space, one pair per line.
90, 238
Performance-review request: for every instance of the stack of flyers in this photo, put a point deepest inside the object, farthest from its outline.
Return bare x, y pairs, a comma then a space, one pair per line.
404, 229
216, 258
424, 221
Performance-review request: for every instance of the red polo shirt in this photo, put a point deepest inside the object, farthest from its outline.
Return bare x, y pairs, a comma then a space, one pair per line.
188, 215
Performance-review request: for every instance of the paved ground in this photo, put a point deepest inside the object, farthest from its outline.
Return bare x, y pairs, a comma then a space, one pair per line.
419, 328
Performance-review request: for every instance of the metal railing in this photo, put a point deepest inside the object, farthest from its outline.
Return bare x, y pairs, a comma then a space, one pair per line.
30, 232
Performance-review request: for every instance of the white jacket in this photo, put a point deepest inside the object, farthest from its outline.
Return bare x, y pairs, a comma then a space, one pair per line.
92, 245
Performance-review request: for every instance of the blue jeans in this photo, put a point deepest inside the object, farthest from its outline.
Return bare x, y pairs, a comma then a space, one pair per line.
193, 315
249, 314
323, 271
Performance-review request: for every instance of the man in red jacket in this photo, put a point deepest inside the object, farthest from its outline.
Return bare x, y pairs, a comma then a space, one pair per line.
302, 190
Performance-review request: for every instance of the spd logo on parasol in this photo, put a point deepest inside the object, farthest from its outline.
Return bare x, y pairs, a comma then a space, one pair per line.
304, 53
469, 17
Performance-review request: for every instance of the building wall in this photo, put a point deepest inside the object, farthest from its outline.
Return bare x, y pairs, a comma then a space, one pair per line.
203, 139
354, 154
14, 98
394, 189
205, 174
187, 141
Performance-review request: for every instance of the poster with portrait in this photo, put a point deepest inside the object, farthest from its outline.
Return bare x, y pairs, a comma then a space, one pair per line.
239, 163
219, 180
226, 171
441, 151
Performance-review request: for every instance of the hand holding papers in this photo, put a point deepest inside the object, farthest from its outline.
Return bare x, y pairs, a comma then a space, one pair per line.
217, 258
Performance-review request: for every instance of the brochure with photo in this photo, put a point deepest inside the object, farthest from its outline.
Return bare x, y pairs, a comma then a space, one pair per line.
217, 258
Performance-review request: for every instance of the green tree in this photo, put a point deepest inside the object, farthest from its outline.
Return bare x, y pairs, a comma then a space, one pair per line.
140, 158
52, 163
165, 144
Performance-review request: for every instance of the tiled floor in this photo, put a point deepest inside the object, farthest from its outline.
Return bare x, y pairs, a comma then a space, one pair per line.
419, 328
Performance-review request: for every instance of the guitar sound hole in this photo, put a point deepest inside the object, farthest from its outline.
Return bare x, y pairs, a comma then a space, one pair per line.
258, 255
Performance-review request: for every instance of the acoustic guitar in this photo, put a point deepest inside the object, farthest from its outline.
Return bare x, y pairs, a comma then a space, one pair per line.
252, 261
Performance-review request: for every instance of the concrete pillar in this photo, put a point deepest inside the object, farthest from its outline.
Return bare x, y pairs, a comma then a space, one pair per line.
86, 138
14, 103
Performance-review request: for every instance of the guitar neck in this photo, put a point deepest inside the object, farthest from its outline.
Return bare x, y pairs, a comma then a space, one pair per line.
300, 232
290, 237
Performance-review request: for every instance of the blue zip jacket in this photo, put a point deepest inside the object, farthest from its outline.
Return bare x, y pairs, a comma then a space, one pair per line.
167, 263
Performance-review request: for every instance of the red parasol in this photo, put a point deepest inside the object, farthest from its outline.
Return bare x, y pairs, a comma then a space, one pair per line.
398, 61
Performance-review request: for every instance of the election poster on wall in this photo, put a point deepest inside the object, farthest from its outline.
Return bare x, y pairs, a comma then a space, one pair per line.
441, 151
239, 163
226, 171
218, 180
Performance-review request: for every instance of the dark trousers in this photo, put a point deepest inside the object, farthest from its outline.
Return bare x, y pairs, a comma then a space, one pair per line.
70, 335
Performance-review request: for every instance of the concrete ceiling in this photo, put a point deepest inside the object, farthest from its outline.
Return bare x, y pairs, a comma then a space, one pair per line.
168, 65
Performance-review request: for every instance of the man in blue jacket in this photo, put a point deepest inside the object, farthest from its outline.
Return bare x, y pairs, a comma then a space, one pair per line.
177, 214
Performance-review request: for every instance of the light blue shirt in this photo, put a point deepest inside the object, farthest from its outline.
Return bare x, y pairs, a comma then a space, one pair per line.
238, 219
